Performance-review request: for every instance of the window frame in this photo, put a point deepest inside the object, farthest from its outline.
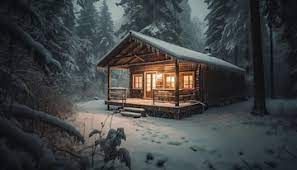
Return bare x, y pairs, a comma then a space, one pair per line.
165, 80
189, 83
140, 83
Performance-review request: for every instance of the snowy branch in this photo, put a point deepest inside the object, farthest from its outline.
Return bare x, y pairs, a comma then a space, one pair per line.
24, 5
15, 31
30, 143
24, 112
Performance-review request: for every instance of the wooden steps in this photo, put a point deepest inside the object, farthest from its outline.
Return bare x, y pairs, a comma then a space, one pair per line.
133, 112
134, 109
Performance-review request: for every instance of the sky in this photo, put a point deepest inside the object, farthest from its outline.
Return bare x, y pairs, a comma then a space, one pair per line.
199, 9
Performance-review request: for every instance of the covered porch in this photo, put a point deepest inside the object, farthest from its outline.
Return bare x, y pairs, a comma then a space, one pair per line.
164, 79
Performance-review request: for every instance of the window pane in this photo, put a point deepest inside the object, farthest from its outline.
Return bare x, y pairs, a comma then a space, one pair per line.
137, 81
188, 81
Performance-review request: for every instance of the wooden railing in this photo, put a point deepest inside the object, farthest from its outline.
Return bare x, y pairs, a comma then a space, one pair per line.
168, 95
118, 93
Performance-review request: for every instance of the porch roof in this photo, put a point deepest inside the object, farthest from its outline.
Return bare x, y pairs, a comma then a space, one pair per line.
136, 48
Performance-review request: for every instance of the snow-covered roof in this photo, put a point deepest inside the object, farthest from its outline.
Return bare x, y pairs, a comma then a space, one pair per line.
178, 52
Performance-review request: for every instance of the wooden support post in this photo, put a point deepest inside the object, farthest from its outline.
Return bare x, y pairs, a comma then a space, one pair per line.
108, 86
176, 83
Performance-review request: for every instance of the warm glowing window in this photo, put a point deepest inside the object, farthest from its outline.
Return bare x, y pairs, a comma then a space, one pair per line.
188, 81
137, 81
169, 81
159, 80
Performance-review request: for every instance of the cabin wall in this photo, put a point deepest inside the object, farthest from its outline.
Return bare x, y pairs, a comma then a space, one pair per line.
223, 87
160, 68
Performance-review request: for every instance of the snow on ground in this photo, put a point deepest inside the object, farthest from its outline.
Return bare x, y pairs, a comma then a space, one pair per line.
221, 138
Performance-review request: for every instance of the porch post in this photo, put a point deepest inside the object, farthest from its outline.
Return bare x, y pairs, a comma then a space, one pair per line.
108, 86
176, 83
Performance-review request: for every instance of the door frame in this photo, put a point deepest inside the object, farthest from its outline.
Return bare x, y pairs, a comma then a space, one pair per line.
145, 81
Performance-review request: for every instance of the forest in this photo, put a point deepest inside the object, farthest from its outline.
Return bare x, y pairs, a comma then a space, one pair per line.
49, 50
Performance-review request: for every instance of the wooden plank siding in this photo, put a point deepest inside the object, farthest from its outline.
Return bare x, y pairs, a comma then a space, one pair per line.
222, 87
160, 68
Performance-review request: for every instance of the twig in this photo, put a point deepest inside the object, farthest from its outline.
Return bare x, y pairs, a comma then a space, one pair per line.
69, 152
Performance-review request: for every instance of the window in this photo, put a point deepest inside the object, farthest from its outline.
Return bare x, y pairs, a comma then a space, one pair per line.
137, 81
187, 79
159, 80
169, 81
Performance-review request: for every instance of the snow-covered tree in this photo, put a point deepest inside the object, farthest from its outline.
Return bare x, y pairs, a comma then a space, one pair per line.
234, 37
157, 18
216, 23
192, 35
198, 34
88, 21
105, 30
86, 29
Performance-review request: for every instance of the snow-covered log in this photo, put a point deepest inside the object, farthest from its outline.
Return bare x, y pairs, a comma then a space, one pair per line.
15, 31
24, 112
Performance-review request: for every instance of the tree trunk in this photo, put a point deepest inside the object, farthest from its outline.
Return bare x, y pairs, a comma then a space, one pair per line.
259, 86
271, 63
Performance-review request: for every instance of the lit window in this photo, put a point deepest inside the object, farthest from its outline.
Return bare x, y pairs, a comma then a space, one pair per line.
137, 81
170, 81
159, 80
188, 81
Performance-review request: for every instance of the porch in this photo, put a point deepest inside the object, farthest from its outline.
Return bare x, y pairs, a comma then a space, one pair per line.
160, 108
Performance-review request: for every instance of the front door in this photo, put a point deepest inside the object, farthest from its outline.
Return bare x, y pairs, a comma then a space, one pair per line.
150, 84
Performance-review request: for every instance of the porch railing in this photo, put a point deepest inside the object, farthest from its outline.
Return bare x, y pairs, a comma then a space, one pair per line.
168, 95
118, 93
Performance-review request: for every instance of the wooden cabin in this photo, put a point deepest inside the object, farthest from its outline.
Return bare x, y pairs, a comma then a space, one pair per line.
168, 80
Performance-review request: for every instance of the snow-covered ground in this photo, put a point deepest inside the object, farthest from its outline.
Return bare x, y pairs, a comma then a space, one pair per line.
223, 138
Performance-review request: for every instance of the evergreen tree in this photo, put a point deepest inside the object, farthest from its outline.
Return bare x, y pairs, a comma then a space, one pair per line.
157, 18
87, 30
216, 23
282, 14
198, 34
105, 30
192, 35
235, 37
88, 21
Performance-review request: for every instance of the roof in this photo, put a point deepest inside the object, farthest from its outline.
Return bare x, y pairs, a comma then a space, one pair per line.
175, 51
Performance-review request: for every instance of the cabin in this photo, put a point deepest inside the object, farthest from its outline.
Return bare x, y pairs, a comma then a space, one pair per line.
169, 81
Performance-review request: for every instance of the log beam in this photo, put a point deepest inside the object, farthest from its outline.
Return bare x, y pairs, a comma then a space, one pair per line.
108, 85
176, 83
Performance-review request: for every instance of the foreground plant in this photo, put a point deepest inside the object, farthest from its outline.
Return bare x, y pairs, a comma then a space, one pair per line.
110, 146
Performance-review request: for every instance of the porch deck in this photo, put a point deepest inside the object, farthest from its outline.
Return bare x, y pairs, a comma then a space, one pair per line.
161, 109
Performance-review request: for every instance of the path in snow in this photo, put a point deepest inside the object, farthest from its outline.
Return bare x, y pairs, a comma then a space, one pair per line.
221, 138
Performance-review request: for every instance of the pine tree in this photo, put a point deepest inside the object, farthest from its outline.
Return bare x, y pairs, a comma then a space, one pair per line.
105, 30
192, 35
216, 24
235, 37
157, 18
282, 14
88, 21
87, 30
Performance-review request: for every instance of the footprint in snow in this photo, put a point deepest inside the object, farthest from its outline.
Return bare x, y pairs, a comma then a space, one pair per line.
144, 138
164, 137
175, 143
